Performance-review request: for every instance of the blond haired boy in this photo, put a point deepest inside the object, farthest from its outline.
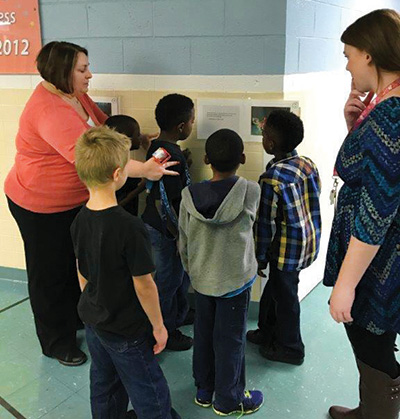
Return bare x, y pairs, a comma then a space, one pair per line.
119, 303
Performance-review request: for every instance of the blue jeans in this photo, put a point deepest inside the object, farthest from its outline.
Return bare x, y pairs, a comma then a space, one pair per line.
219, 347
171, 279
124, 369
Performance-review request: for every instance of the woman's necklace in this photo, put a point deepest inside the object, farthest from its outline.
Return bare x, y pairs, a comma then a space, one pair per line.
67, 97
71, 99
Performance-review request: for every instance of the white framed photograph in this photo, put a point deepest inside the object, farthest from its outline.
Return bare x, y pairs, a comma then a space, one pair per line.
109, 105
258, 110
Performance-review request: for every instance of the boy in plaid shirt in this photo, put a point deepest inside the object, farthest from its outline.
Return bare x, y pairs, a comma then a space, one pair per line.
288, 230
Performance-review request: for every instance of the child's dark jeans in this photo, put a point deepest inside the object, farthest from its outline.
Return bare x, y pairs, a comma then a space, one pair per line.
125, 369
279, 316
219, 347
171, 279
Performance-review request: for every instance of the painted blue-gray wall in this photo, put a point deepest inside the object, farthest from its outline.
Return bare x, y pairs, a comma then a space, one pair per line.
314, 27
210, 37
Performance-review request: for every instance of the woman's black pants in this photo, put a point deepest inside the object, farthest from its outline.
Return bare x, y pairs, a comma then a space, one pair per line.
377, 351
52, 277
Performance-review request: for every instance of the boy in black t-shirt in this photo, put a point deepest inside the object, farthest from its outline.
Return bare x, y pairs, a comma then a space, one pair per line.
119, 302
128, 195
175, 117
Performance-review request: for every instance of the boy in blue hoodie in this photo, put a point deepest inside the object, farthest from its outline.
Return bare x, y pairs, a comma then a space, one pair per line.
217, 250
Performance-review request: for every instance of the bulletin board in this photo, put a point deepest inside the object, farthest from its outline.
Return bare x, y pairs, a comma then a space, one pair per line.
20, 37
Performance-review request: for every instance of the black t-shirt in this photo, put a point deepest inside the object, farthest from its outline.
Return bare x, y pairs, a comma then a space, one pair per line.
112, 246
173, 184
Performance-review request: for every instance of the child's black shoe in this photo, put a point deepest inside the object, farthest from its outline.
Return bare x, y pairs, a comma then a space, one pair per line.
257, 337
279, 354
178, 341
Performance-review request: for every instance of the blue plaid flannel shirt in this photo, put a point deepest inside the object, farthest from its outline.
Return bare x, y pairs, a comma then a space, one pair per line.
288, 225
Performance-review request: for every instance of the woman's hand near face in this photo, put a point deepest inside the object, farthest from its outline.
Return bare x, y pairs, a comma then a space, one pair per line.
354, 105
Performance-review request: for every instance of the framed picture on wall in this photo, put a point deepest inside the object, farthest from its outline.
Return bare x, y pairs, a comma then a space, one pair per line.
245, 116
109, 105
257, 111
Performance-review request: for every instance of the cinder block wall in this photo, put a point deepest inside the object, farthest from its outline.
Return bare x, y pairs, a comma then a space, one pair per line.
172, 36
313, 29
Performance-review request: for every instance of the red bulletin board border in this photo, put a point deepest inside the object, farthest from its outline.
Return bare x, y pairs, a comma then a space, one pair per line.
20, 36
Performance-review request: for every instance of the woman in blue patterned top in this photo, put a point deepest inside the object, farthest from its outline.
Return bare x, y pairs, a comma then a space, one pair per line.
363, 260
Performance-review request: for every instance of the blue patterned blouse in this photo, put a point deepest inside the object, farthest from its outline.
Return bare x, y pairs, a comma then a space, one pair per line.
368, 209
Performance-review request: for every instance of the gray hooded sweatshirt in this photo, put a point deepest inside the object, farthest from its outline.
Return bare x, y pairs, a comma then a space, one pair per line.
218, 252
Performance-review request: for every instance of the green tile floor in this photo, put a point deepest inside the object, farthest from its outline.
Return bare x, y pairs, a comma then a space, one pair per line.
39, 387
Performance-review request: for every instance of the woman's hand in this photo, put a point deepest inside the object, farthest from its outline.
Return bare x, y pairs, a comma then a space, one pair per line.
354, 105
153, 170
341, 302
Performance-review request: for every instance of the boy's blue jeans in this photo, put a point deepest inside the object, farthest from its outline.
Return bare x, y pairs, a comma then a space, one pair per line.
125, 369
219, 347
171, 279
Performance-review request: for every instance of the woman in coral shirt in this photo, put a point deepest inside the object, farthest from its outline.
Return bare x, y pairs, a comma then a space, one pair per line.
44, 192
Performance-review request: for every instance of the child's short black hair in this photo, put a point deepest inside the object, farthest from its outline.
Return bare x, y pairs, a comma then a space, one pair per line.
288, 127
224, 150
123, 124
172, 110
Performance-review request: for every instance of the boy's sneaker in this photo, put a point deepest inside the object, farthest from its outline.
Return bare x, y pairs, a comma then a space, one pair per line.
279, 354
203, 398
252, 401
257, 337
178, 341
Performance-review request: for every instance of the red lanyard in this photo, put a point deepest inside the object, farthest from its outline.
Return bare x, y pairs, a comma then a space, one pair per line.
371, 106
374, 102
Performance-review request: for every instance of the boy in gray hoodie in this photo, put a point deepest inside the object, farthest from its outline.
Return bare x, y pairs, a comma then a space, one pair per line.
217, 250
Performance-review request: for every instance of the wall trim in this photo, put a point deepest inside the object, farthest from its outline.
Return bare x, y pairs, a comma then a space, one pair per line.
234, 84
238, 84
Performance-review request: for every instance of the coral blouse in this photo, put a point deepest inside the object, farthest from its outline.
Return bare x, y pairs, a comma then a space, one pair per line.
43, 178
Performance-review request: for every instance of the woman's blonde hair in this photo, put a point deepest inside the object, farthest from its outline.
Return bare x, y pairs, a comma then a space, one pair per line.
98, 152
378, 34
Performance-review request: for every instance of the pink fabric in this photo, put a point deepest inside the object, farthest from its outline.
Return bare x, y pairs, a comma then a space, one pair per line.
43, 178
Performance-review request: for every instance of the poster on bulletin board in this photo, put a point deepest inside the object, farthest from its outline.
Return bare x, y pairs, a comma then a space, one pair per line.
20, 38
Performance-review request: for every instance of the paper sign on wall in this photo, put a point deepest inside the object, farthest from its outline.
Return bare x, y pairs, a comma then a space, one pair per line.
20, 39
